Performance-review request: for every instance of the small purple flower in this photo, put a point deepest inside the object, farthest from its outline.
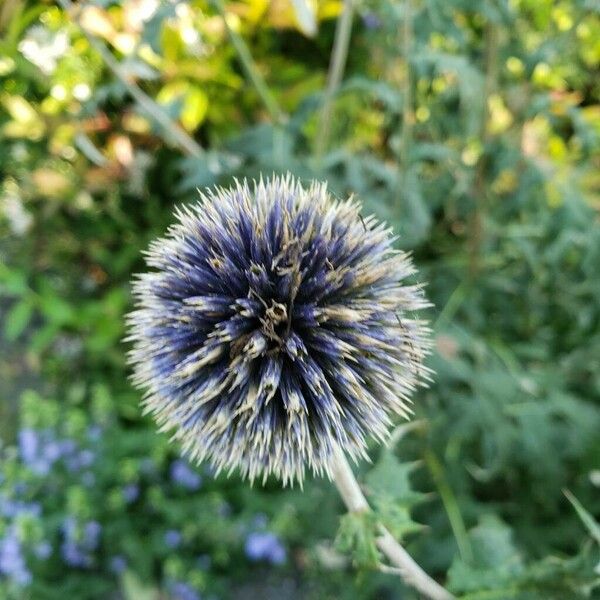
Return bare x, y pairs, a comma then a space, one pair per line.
28, 445
94, 433
86, 458
12, 562
43, 550
131, 493
79, 542
67, 447
371, 21
117, 564
88, 479
260, 521
183, 475
74, 556
224, 509
91, 534
52, 451
172, 538
265, 546
148, 466
14, 508
182, 591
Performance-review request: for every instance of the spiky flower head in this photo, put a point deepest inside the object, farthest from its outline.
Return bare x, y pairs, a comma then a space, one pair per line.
276, 326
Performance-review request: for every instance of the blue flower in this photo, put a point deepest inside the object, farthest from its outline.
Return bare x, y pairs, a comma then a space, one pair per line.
43, 550
371, 21
91, 534
172, 538
74, 555
28, 445
265, 546
12, 562
131, 492
10, 508
276, 327
183, 591
118, 564
80, 542
183, 475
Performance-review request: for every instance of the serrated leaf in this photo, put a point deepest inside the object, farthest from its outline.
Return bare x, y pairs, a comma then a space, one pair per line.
357, 536
496, 561
391, 479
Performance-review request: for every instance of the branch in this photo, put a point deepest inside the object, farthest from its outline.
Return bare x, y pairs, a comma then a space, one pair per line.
337, 65
185, 142
249, 66
405, 566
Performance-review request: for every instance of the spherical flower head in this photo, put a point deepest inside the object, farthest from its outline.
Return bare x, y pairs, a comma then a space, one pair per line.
276, 326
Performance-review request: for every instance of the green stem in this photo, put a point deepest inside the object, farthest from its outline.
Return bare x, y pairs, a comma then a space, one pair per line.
337, 64
403, 564
451, 506
186, 143
407, 112
250, 68
476, 233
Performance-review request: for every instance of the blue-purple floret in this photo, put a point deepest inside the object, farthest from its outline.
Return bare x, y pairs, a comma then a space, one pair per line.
275, 327
265, 546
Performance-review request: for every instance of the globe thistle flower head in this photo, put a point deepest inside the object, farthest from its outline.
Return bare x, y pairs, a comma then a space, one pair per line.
276, 326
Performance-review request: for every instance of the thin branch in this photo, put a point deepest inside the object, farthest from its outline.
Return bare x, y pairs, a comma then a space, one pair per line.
249, 66
186, 143
407, 102
476, 233
337, 65
407, 112
405, 566
451, 507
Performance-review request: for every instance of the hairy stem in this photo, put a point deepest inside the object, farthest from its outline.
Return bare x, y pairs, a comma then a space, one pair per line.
185, 142
409, 570
250, 68
337, 65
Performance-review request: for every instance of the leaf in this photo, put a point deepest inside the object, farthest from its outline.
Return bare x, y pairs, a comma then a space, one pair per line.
195, 105
496, 561
357, 536
17, 319
305, 16
392, 494
586, 518
134, 589
12, 281
391, 478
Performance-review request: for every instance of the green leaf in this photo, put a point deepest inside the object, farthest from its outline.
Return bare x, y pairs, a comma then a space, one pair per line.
17, 319
356, 535
586, 518
391, 478
12, 282
134, 589
496, 561
305, 16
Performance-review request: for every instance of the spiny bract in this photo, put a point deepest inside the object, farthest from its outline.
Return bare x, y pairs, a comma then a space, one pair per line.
276, 327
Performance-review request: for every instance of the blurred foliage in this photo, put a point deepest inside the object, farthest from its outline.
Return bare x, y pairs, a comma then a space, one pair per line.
473, 128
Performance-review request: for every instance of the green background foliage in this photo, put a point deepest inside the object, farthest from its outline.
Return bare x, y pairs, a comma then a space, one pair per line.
472, 127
